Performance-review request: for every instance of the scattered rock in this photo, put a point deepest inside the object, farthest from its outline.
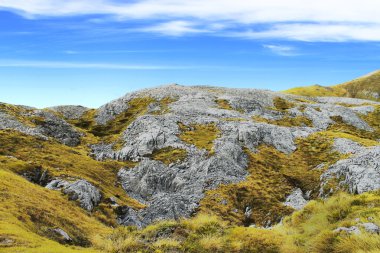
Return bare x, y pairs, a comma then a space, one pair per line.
83, 191
351, 230
371, 227
296, 199
87, 194
62, 234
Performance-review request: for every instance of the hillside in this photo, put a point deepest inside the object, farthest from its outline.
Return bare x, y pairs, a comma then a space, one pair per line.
365, 87
192, 169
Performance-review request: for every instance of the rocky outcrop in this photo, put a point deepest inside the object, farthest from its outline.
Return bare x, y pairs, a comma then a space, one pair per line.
57, 128
359, 173
70, 111
296, 199
348, 230
244, 119
10, 122
346, 146
174, 191
83, 191
46, 124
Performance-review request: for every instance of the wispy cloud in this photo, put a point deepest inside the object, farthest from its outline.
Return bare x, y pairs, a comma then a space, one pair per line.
173, 28
282, 50
323, 20
84, 65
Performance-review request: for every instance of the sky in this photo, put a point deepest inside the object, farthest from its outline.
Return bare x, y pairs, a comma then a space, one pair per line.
88, 52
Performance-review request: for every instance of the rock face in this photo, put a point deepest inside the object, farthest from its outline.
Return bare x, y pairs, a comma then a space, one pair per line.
296, 199
371, 227
84, 192
174, 191
359, 173
346, 146
70, 111
244, 119
57, 128
47, 125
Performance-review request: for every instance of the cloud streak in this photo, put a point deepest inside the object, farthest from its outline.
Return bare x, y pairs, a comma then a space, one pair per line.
282, 50
323, 20
84, 65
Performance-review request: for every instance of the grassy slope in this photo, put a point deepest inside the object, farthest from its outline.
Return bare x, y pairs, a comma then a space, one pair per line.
357, 88
28, 211
309, 230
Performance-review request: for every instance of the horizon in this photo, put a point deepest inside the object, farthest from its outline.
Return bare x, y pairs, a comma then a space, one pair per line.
90, 52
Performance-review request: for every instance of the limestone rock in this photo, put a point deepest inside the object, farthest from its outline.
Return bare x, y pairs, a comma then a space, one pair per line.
60, 232
70, 111
351, 230
87, 194
371, 227
360, 173
296, 199
81, 190
346, 146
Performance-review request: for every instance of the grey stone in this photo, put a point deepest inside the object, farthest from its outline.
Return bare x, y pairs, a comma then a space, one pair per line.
296, 199
365, 109
70, 111
351, 230
359, 173
371, 227
346, 146
87, 194
81, 190
52, 126
345, 100
63, 234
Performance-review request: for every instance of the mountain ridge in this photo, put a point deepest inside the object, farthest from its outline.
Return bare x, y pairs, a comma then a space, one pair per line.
365, 87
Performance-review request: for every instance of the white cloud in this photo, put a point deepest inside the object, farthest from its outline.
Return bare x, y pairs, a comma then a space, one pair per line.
173, 28
83, 65
322, 20
282, 50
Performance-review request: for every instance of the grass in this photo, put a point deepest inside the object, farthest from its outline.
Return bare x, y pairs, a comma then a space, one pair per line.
287, 121
201, 136
307, 230
224, 104
318, 91
272, 177
27, 219
169, 155
358, 88
373, 119
66, 162
281, 104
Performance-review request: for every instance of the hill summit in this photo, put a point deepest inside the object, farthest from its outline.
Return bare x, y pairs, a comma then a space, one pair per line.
365, 87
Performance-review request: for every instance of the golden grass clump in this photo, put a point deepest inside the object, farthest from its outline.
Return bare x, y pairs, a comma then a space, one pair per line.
202, 136
169, 155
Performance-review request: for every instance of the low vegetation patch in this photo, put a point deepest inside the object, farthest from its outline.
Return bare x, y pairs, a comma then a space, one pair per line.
308, 230
282, 104
224, 104
287, 121
201, 136
169, 155
273, 175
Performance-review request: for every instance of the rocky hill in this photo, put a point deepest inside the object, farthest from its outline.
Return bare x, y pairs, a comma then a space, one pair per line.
192, 169
365, 87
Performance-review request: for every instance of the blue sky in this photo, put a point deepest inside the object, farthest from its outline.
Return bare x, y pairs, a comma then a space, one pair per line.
89, 52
